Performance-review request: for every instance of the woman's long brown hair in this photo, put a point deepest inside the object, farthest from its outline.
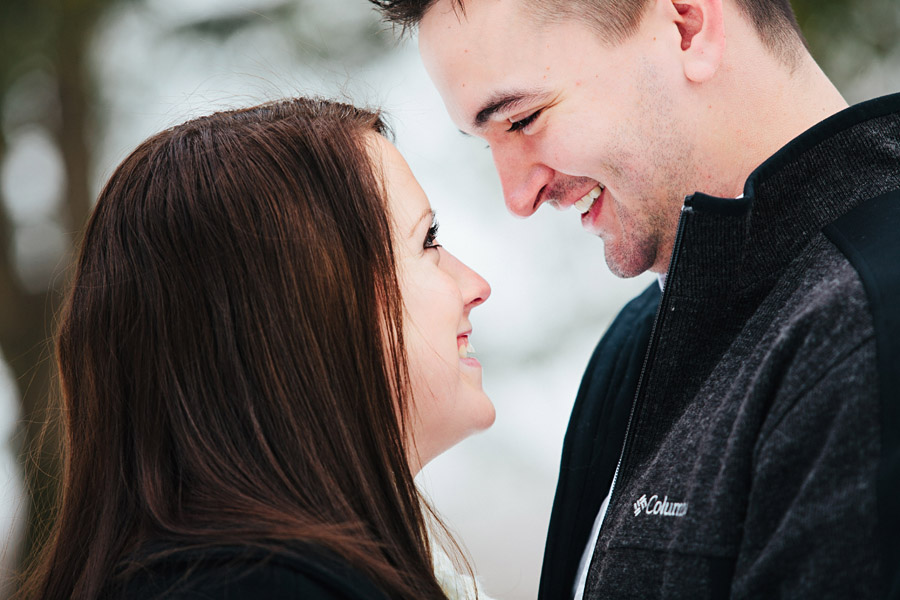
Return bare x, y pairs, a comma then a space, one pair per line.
231, 358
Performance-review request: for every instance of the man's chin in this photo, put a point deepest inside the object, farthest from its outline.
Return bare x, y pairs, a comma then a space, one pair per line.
625, 264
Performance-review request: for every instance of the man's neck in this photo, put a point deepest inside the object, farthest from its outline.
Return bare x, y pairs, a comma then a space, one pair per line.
756, 108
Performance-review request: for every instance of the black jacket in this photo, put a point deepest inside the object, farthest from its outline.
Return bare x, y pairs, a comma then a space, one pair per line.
760, 395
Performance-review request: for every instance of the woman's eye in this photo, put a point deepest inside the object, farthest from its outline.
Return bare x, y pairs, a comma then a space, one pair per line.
431, 236
523, 123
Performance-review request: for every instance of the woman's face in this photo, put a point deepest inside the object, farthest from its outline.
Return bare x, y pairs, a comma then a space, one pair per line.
438, 293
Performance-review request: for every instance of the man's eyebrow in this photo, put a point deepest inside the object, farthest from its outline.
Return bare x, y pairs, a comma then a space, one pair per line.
505, 101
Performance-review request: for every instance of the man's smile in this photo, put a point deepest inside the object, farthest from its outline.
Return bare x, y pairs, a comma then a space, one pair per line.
584, 204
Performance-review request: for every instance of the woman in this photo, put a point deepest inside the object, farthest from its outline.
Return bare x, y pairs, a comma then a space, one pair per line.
263, 344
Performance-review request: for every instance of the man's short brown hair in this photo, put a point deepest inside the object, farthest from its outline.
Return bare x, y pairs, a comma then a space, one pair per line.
615, 20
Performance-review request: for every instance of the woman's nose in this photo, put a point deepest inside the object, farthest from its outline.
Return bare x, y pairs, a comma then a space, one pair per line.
473, 287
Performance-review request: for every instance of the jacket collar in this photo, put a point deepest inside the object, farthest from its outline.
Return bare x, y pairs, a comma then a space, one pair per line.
732, 244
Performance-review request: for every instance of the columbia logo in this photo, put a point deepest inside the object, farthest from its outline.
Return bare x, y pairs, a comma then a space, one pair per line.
654, 506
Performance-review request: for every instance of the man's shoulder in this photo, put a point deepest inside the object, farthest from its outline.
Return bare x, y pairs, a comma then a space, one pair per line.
845, 284
832, 317
867, 236
845, 289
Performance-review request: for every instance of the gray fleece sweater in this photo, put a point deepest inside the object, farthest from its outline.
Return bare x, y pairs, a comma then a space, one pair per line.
761, 450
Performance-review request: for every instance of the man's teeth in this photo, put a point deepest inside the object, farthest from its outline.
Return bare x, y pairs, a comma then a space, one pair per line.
587, 201
465, 351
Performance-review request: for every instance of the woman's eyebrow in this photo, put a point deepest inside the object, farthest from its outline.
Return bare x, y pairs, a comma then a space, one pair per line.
428, 214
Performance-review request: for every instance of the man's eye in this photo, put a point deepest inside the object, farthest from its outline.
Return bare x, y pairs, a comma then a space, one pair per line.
523, 123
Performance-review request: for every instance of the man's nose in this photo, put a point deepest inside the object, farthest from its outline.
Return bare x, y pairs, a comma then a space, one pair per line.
522, 181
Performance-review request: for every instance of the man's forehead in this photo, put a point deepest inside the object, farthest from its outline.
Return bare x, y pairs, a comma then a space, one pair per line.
474, 58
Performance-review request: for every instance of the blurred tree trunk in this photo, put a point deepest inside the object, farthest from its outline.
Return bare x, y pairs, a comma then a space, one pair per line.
76, 96
27, 317
23, 335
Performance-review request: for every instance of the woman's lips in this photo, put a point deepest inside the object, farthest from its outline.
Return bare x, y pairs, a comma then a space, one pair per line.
465, 346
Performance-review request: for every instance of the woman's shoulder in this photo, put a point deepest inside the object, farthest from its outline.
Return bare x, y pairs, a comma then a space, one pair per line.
237, 572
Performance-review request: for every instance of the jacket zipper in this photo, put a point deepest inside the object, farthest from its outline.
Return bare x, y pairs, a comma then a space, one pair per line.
651, 348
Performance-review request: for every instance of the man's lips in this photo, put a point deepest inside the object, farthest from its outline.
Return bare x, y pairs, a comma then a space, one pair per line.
580, 199
591, 217
583, 204
564, 192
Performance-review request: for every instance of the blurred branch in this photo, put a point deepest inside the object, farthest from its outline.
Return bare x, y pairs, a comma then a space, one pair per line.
221, 27
355, 38
24, 27
829, 25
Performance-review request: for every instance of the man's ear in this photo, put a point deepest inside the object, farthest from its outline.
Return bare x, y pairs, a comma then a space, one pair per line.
702, 28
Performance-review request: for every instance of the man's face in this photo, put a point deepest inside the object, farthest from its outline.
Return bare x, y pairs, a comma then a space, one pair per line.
567, 117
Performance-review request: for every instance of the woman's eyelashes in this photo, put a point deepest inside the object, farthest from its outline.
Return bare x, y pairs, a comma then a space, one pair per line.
524, 122
431, 236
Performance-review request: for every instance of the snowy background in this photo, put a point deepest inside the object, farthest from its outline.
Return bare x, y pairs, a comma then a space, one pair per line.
552, 298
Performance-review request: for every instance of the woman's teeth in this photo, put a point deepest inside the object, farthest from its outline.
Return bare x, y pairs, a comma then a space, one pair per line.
587, 201
466, 349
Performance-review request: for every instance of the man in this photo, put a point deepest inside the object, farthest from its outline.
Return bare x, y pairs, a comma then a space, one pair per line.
737, 434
